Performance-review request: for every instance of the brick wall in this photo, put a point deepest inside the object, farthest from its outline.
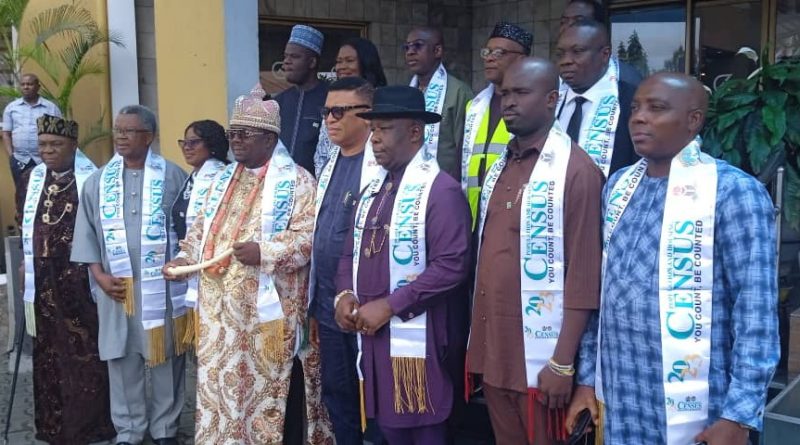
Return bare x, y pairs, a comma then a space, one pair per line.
538, 16
389, 23
466, 25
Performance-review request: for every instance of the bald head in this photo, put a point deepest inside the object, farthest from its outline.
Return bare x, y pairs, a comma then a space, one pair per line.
691, 91
529, 94
430, 34
424, 49
667, 112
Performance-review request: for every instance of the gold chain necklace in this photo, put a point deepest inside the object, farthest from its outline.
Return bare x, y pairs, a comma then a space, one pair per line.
52, 191
372, 250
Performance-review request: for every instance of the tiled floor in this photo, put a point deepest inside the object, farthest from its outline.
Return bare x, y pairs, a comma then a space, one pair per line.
22, 426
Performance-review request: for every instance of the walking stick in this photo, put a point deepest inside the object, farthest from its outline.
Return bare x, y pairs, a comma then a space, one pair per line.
19, 339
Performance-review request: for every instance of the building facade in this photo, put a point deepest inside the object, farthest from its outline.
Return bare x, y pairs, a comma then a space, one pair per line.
189, 59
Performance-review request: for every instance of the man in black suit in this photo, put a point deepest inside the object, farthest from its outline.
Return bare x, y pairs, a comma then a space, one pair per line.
594, 104
577, 10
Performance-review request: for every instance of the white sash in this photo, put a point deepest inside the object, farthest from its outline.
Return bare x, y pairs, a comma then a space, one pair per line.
598, 138
200, 190
686, 255
541, 248
434, 103
277, 202
472, 123
83, 168
153, 238
407, 257
369, 169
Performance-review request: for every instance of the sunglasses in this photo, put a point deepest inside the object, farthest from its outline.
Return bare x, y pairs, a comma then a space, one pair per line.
416, 46
339, 111
241, 134
189, 143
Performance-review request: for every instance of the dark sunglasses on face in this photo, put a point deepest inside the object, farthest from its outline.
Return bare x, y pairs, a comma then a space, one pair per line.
416, 46
189, 143
339, 111
241, 134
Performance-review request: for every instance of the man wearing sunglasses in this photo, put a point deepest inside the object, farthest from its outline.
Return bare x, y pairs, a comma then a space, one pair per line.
351, 166
485, 133
444, 94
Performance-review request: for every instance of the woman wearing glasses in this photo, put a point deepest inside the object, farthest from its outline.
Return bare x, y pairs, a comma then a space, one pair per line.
205, 149
357, 57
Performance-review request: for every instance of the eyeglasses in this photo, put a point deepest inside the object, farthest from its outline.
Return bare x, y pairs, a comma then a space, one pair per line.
241, 134
126, 132
339, 111
189, 143
497, 53
416, 46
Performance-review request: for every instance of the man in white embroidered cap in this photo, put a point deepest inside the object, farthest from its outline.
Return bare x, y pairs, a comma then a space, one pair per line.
300, 104
251, 244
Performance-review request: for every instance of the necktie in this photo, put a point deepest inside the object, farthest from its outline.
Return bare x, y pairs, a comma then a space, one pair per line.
574, 127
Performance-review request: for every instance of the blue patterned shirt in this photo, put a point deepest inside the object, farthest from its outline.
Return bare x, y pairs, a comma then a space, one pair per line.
744, 333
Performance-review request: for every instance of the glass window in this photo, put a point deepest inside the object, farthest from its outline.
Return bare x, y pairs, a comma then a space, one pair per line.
272, 38
651, 38
721, 28
787, 31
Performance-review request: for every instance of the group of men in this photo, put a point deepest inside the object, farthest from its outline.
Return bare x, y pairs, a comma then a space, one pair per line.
610, 268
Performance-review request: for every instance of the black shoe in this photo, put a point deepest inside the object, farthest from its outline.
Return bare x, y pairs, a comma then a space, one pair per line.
166, 441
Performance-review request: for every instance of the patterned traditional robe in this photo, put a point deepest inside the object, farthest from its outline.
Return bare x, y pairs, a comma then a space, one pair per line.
70, 383
241, 397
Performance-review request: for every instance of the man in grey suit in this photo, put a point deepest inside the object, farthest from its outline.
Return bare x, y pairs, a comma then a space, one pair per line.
123, 232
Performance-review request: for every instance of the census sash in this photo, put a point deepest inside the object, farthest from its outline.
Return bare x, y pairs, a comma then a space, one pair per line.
434, 103
472, 122
407, 260
277, 202
83, 168
541, 248
203, 181
369, 169
686, 279
597, 140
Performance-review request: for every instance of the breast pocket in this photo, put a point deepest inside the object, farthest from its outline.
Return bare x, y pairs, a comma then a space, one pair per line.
309, 128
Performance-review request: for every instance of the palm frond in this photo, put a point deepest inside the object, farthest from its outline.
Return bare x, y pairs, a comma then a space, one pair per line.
61, 20
10, 92
98, 131
46, 60
12, 11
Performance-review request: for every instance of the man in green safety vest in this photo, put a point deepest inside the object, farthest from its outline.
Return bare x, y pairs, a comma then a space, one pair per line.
485, 133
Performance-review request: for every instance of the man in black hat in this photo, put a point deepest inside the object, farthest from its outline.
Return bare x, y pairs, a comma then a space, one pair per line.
403, 268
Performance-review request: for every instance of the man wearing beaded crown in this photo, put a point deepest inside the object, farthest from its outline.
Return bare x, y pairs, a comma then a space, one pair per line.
402, 269
538, 271
70, 382
123, 231
254, 237
688, 329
